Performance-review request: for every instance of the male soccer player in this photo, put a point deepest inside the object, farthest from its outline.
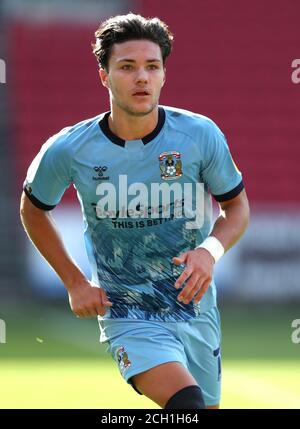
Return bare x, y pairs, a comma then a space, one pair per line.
144, 175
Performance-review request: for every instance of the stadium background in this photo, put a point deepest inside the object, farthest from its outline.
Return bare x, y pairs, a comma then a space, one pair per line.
232, 61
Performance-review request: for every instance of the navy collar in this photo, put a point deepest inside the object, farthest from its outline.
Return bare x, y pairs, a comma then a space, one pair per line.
104, 126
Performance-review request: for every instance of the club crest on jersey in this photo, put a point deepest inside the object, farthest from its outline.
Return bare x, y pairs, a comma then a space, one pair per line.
122, 358
170, 165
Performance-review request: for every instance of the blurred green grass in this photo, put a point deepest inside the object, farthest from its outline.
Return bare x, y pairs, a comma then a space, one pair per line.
53, 360
91, 383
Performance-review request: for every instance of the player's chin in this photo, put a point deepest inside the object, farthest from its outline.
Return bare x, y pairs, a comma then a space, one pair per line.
142, 109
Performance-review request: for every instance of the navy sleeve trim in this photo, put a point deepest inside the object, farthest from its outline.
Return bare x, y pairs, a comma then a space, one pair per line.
231, 194
37, 202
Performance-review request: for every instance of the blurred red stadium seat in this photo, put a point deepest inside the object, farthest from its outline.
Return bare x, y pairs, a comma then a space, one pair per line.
231, 62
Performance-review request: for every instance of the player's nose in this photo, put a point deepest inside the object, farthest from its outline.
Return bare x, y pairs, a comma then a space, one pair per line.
141, 75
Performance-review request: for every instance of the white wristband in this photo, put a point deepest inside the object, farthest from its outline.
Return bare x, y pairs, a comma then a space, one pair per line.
213, 246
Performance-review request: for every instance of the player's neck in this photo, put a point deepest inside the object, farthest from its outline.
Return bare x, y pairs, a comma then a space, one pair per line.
129, 127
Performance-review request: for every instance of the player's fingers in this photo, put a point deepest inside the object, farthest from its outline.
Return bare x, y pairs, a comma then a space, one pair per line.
189, 290
101, 310
104, 301
92, 312
80, 314
77, 310
182, 278
86, 311
177, 260
202, 291
103, 304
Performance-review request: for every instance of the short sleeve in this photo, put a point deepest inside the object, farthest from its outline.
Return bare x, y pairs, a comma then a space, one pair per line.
220, 172
49, 174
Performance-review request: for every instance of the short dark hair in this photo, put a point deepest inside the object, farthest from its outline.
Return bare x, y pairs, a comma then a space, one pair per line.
122, 28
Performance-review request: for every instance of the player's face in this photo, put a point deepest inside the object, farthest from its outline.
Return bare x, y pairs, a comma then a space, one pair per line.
135, 76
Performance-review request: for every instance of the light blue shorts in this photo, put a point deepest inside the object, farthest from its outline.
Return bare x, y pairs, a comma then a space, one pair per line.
138, 345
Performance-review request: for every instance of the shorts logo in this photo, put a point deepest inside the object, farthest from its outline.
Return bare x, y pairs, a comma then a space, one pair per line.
122, 358
170, 165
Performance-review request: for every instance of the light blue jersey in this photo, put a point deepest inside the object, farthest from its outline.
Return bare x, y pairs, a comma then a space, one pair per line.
143, 202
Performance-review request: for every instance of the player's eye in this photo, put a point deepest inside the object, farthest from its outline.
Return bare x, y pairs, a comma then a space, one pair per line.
126, 67
152, 67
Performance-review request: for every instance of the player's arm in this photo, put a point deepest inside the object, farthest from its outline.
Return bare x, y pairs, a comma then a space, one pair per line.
228, 229
222, 177
85, 299
232, 221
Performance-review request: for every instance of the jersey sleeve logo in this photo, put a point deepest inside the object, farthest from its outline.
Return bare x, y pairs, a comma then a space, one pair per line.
170, 165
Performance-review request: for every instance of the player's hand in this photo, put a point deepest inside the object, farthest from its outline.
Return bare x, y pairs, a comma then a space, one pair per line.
198, 272
88, 300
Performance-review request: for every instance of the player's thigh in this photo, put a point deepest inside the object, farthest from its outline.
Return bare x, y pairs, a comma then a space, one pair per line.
149, 356
163, 381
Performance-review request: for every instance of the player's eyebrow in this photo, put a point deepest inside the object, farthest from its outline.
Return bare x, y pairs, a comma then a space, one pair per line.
129, 60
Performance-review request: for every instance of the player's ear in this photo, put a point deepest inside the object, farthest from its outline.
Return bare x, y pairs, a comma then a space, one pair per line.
104, 77
164, 78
